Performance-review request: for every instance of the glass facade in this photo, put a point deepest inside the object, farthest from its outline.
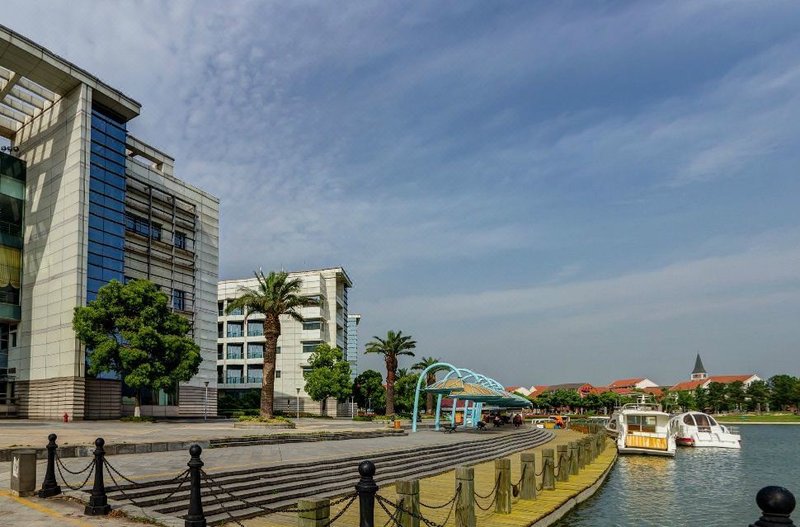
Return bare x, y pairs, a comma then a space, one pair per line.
12, 206
255, 350
106, 201
255, 328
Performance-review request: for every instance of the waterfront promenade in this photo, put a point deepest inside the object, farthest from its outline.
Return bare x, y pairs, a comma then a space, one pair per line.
549, 506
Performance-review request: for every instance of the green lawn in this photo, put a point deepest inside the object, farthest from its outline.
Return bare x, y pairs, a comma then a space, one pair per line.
763, 418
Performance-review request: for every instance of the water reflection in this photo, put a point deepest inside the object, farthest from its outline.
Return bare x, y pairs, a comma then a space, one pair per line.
698, 487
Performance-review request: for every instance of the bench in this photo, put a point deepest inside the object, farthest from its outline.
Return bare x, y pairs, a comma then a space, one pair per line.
448, 429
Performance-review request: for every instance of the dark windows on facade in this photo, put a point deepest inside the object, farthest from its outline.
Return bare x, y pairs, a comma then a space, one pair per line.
179, 239
179, 299
311, 346
143, 226
311, 325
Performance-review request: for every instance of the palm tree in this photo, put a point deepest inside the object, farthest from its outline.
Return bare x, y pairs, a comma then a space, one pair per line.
430, 378
275, 295
394, 345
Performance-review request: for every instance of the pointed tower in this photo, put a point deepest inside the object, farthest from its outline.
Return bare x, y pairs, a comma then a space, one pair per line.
699, 372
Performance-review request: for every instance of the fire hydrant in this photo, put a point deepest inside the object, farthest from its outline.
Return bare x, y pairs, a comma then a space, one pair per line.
66, 417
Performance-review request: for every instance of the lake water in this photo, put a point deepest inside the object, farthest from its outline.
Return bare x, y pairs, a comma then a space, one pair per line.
700, 486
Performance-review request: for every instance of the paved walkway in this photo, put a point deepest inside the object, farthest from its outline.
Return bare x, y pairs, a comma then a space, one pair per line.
439, 489
24, 433
35, 512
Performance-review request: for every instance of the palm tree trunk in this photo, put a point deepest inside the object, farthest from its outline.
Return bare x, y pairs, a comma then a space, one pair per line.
390, 369
272, 330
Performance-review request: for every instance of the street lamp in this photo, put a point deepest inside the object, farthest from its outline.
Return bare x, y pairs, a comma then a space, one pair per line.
205, 403
298, 402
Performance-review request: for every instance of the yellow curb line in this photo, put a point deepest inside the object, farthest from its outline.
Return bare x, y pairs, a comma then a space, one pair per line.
44, 510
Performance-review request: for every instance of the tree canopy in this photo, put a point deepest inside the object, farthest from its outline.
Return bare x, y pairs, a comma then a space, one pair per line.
368, 390
329, 375
132, 331
393, 346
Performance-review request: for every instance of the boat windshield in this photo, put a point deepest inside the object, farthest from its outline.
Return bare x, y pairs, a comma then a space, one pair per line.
641, 423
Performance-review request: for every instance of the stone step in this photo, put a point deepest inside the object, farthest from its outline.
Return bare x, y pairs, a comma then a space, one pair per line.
289, 482
216, 514
301, 438
285, 473
315, 477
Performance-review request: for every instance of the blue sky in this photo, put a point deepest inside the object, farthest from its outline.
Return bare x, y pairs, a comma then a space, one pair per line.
543, 191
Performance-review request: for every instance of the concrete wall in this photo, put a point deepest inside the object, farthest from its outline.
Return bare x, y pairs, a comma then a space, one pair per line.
49, 362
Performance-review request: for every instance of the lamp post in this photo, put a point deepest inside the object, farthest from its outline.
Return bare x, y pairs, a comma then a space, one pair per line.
205, 403
298, 402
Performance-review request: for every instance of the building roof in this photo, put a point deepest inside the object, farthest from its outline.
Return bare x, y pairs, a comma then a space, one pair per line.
688, 385
726, 379
33, 78
538, 388
625, 383
698, 365
568, 386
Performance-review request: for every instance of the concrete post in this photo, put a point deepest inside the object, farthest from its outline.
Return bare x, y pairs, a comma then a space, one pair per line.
573, 458
465, 504
408, 499
548, 477
313, 513
527, 489
581, 454
590, 449
23, 472
563, 463
502, 473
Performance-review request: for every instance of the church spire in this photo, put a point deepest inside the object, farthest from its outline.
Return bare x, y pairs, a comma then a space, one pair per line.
699, 371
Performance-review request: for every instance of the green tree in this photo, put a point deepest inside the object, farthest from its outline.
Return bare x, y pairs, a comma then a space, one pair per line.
368, 390
405, 387
274, 295
430, 378
131, 330
686, 401
783, 388
392, 347
757, 396
329, 375
716, 396
735, 394
701, 398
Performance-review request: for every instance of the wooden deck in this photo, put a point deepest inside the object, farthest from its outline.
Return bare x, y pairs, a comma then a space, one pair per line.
439, 489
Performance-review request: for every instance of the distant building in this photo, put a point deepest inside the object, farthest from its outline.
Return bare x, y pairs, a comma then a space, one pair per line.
636, 383
701, 379
583, 388
352, 343
240, 342
518, 389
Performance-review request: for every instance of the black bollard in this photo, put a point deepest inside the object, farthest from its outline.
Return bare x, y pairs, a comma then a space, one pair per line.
98, 501
366, 489
776, 504
195, 518
50, 485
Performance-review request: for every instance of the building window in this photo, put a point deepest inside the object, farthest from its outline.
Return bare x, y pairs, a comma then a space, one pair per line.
255, 329
255, 375
220, 308
277, 350
311, 346
220, 352
311, 325
236, 311
179, 239
277, 374
255, 351
220, 331
234, 351
143, 226
179, 299
235, 329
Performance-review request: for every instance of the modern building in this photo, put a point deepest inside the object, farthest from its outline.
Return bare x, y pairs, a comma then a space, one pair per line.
352, 343
84, 202
240, 339
636, 383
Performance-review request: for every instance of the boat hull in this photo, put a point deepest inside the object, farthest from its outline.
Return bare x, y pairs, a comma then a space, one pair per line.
645, 451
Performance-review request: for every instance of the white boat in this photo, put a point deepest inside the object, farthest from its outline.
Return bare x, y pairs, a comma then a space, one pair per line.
642, 428
702, 430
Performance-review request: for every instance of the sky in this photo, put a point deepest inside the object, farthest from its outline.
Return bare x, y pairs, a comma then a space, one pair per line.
544, 192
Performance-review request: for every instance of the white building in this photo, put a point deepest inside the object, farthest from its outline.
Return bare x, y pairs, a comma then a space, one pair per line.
352, 343
240, 342
83, 202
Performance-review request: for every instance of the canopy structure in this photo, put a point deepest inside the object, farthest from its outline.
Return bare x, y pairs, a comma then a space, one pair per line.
465, 385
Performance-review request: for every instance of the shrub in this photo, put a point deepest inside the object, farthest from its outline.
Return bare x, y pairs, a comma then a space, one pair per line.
362, 418
276, 420
140, 419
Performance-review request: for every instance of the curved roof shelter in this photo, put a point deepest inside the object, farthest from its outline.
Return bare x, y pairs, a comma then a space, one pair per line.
468, 386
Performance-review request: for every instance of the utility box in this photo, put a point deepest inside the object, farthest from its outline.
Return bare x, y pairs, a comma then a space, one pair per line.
23, 472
